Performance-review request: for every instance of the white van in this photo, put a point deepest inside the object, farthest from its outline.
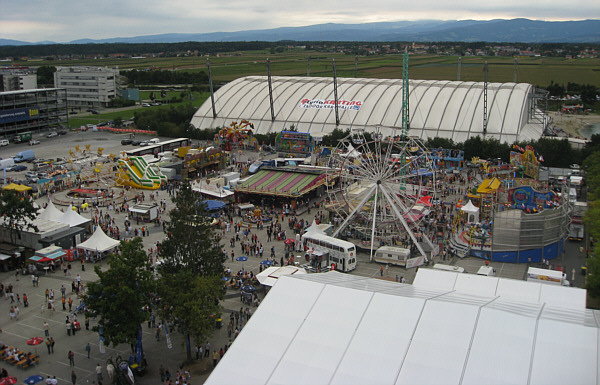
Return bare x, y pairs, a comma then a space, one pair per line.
4, 142
153, 141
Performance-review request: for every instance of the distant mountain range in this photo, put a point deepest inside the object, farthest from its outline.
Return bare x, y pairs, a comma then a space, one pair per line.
509, 31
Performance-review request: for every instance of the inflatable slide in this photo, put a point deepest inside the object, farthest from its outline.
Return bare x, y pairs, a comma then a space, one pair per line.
135, 172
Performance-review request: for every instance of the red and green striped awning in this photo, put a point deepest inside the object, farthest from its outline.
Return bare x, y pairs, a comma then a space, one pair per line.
281, 183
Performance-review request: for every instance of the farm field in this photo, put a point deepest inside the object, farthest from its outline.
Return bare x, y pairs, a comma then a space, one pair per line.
540, 71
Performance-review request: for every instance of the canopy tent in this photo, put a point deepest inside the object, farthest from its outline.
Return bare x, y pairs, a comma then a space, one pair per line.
10, 186
48, 254
22, 188
50, 213
71, 218
352, 152
472, 211
425, 201
99, 242
488, 186
453, 335
213, 205
270, 275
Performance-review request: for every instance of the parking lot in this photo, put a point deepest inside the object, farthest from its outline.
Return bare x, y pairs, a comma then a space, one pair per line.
57, 147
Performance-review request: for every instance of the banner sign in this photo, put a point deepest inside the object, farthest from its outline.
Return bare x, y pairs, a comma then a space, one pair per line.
19, 114
330, 104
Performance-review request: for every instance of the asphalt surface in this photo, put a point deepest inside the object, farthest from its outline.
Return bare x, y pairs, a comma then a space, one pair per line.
31, 319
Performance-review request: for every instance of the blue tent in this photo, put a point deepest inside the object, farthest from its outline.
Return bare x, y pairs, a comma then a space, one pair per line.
212, 205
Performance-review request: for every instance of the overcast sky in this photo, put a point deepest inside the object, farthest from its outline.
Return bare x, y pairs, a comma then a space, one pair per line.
66, 20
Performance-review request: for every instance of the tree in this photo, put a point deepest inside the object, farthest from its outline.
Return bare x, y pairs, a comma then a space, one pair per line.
192, 259
45, 75
191, 243
18, 213
118, 297
196, 308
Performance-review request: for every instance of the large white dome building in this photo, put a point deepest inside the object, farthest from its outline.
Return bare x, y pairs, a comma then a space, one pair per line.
447, 109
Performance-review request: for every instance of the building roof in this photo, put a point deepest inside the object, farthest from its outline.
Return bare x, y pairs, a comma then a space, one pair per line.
29, 91
334, 328
438, 108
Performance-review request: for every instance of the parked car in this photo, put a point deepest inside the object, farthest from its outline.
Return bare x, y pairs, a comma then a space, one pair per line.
127, 141
52, 134
62, 132
94, 112
16, 167
145, 143
4, 142
145, 105
33, 142
31, 176
135, 142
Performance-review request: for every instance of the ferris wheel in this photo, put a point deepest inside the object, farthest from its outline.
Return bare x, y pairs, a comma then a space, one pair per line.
376, 189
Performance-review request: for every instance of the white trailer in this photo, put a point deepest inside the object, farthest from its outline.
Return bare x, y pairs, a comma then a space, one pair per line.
551, 277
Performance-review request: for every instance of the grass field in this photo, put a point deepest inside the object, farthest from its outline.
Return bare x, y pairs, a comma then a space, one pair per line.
226, 67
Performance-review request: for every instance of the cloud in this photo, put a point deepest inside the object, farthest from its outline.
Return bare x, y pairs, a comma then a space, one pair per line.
66, 20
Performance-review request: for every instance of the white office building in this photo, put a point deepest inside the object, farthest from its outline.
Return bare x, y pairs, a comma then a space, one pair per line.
90, 87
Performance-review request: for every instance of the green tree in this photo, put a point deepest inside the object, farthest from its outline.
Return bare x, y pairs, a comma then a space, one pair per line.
591, 167
18, 213
196, 308
118, 297
45, 75
191, 242
192, 259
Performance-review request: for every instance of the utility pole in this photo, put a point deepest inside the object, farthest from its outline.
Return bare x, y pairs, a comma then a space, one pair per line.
212, 94
308, 72
335, 95
270, 90
485, 89
355, 65
459, 65
515, 73
405, 95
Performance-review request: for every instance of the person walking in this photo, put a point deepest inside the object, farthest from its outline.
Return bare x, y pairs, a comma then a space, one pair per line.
48, 343
162, 373
73, 377
215, 357
71, 357
52, 342
88, 349
46, 328
99, 373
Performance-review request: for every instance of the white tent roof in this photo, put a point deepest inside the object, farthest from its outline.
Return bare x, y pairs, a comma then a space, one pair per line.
438, 108
71, 218
390, 333
470, 208
271, 275
99, 242
50, 213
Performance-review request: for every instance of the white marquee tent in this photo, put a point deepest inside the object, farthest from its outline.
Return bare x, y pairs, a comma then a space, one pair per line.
71, 218
472, 211
333, 328
50, 213
99, 242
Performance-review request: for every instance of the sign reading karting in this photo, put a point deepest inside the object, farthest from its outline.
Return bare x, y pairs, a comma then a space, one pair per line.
330, 104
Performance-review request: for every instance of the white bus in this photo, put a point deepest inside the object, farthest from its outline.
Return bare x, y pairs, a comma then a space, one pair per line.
341, 253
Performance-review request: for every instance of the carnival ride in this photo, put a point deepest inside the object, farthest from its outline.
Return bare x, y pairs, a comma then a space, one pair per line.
236, 134
375, 189
136, 172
